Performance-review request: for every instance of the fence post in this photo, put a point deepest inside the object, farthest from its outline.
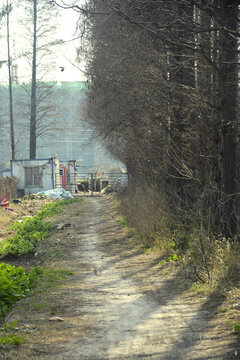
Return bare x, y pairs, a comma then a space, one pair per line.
91, 184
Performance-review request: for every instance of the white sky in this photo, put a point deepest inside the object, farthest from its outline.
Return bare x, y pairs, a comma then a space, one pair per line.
67, 53
67, 26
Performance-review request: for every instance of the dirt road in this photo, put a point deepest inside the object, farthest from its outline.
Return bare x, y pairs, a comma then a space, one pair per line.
118, 305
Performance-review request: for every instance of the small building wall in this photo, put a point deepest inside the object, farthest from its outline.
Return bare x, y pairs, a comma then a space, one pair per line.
46, 170
71, 183
5, 173
56, 173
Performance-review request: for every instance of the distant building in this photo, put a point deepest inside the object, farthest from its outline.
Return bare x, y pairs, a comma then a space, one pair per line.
69, 137
43, 174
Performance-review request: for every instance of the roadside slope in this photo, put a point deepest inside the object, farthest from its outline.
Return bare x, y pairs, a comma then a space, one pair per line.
117, 304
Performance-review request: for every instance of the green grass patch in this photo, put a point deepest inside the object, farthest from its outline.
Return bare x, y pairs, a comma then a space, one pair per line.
55, 253
36, 307
50, 278
38, 299
123, 222
6, 327
29, 231
222, 310
70, 201
11, 339
236, 328
201, 288
15, 283
173, 257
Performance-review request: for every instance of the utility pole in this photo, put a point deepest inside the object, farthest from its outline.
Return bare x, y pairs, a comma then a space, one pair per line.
8, 9
91, 184
33, 115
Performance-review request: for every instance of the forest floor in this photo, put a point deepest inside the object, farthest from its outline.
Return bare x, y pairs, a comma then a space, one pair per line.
117, 302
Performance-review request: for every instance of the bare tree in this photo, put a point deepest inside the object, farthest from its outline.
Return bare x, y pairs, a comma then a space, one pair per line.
42, 39
47, 108
6, 12
33, 113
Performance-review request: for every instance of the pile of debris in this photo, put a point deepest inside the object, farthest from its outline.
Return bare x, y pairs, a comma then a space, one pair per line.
56, 194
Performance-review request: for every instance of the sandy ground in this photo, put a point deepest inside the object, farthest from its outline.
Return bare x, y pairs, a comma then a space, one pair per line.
118, 304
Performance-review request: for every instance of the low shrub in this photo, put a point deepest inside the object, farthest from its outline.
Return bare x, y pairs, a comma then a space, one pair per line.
15, 282
11, 339
29, 232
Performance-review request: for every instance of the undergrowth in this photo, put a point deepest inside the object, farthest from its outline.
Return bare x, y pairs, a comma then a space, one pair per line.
11, 339
8, 335
205, 257
15, 283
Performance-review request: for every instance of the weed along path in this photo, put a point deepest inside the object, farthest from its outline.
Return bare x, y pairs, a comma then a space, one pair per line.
115, 303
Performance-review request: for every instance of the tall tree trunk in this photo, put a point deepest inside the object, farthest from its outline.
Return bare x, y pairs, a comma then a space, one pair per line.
183, 74
33, 115
209, 124
228, 64
10, 88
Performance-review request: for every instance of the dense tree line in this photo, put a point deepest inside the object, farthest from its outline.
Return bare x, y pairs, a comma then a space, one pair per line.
164, 97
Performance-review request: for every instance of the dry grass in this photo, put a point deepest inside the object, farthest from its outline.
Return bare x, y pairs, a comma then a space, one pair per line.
208, 266
208, 259
144, 211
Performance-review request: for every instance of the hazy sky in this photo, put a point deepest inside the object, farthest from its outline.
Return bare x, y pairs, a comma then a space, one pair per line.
65, 52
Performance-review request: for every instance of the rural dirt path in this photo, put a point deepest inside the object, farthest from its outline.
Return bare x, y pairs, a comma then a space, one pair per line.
117, 304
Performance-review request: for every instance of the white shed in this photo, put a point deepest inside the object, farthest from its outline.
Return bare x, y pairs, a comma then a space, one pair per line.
35, 175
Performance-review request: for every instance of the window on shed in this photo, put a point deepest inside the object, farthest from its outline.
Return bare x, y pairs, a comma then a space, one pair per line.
28, 176
32, 176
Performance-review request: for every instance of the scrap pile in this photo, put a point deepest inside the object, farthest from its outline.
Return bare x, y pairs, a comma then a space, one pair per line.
56, 194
